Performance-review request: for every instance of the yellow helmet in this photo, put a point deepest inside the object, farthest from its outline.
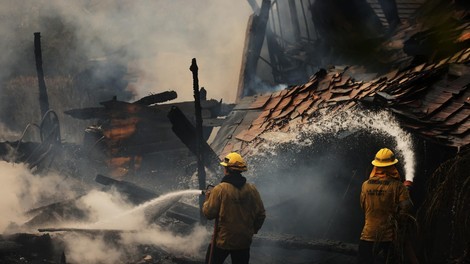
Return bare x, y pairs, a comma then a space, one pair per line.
384, 158
234, 161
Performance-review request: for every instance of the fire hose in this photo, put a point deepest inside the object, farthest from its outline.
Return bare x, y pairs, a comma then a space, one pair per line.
408, 247
216, 225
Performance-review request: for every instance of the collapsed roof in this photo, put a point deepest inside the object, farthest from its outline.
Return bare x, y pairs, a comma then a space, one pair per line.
432, 100
418, 70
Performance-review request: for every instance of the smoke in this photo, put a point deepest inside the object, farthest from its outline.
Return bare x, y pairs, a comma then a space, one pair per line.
103, 206
7, 134
109, 211
22, 191
189, 245
86, 248
81, 248
155, 39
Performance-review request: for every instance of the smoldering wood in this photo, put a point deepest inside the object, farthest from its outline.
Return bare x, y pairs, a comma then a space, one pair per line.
185, 131
253, 43
157, 98
186, 213
390, 10
83, 230
39, 246
294, 20
133, 192
54, 214
201, 173
43, 98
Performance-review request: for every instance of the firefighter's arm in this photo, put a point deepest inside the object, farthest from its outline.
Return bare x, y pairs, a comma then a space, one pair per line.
404, 202
211, 205
260, 212
362, 198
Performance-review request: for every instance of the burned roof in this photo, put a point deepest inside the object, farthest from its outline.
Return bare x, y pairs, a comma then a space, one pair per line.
431, 100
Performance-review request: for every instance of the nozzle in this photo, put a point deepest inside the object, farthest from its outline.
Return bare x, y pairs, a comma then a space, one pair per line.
408, 184
208, 188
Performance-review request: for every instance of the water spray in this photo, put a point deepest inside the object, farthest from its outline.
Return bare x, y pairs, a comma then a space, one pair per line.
208, 189
381, 123
141, 209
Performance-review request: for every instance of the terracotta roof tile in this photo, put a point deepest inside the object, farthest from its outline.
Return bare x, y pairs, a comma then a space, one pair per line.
304, 106
458, 116
283, 103
424, 99
247, 135
260, 102
272, 103
287, 111
446, 111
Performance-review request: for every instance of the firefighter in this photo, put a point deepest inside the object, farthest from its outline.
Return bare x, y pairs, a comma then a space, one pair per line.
238, 211
384, 200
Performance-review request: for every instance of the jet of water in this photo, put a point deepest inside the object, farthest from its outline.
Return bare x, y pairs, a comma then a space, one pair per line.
380, 123
153, 207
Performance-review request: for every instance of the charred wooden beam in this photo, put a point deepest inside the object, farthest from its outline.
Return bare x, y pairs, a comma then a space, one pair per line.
134, 193
157, 98
390, 10
43, 98
183, 128
201, 173
81, 230
180, 211
256, 30
184, 212
294, 20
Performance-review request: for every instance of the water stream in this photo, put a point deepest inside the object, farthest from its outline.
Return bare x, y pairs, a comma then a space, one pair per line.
153, 207
381, 124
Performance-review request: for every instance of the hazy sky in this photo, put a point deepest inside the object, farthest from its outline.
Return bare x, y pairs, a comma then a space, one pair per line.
160, 37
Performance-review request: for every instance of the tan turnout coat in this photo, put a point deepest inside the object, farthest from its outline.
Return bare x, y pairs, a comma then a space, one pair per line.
241, 214
383, 199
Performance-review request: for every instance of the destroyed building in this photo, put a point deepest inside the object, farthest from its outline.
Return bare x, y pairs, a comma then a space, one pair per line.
323, 85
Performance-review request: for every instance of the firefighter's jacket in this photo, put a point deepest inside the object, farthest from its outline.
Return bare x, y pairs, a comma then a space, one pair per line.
383, 199
240, 211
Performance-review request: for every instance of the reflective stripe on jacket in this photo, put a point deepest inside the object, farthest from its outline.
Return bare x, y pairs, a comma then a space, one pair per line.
382, 199
241, 214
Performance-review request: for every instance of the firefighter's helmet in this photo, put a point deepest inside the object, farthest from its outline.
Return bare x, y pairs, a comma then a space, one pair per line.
234, 161
384, 158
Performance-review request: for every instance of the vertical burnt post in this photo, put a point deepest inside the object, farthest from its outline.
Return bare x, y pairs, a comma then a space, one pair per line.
255, 34
294, 19
201, 173
43, 99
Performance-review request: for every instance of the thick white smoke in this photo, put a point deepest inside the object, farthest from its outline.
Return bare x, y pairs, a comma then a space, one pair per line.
22, 191
158, 38
110, 211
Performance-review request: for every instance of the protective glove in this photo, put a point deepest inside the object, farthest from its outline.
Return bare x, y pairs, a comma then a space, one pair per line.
408, 184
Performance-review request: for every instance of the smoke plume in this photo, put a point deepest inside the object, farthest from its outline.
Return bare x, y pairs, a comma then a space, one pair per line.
155, 39
22, 191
